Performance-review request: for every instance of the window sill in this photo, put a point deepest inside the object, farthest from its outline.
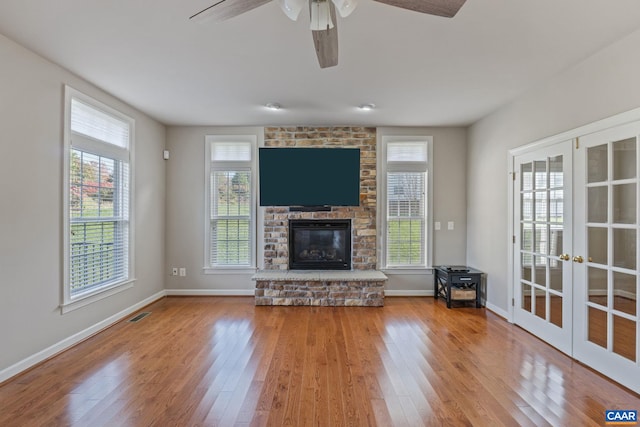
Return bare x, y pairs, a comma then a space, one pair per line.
229, 270
91, 297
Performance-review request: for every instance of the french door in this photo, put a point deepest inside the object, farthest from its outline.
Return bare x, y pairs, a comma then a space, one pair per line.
606, 271
576, 249
542, 242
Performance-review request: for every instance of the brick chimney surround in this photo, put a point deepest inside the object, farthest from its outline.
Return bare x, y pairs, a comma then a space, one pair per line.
363, 285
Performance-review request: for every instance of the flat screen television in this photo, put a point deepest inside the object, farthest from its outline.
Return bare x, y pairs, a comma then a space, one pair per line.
309, 177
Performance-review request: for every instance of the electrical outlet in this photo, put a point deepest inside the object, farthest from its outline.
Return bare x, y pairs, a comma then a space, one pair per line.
183, 271
450, 225
174, 271
437, 225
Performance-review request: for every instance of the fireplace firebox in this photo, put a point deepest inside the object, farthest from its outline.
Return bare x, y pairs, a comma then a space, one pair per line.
320, 244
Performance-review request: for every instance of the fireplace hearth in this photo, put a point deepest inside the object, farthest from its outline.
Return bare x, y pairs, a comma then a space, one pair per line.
320, 244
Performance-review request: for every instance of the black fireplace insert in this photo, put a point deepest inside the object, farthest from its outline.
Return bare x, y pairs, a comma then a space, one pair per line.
320, 244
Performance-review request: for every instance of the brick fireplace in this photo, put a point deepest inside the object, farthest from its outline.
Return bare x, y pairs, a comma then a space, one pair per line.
367, 286
363, 217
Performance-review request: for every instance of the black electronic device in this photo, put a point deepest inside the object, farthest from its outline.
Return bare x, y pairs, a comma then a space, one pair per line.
457, 268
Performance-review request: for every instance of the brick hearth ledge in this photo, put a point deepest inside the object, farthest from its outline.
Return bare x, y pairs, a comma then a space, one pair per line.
364, 288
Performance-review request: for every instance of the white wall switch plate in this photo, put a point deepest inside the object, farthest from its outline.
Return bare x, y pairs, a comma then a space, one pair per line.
174, 271
183, 271
437, 225
450, 225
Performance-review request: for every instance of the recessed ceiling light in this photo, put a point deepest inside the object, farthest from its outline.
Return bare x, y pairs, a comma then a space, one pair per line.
273, 106
367, 107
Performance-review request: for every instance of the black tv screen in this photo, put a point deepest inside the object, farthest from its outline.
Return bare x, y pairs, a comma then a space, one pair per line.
309, 176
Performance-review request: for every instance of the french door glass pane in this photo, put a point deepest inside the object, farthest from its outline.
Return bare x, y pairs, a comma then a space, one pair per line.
624, 204
597, 164
556, 206
597, 204
542, 212
540, 239
526, 297
555, 275
597, 285
555, 310
555, 246
526, 170
624, 159
527, 237
540, 174
597, 327
624, 248
624, 337
541, 306
541, 271
526, 264
526, 205
597, 244
556, 175
624, 292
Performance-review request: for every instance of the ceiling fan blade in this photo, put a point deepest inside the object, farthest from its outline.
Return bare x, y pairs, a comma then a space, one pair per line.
446, 8
225, 9
326, 42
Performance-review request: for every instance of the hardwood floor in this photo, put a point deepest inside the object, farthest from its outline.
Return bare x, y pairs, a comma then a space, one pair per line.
221, 361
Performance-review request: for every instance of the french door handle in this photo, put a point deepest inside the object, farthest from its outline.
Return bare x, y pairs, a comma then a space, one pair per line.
578, 259
564, 257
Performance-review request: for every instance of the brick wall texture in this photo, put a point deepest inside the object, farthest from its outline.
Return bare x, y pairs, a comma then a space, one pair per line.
363, 238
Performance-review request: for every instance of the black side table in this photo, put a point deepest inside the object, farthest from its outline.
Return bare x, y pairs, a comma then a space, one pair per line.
458, 284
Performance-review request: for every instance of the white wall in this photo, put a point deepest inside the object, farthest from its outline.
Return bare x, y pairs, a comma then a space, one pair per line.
449, 204
603, 85
31, 119
185, 208
185, 212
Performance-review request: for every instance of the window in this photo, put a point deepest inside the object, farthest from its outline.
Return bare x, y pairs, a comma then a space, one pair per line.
405, 201
231, 207
98, 195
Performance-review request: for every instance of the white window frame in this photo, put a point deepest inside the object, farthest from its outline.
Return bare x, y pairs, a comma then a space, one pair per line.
384, 167
211, 166
72, 140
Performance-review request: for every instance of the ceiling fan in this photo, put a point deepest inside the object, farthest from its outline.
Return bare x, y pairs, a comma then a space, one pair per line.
322, 14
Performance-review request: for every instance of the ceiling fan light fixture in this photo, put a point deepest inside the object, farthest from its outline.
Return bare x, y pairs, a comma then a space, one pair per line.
320, 15
292, 8
273, 106
345, 7
367, 107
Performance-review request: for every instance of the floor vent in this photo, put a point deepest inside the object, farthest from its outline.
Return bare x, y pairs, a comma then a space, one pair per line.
140, 316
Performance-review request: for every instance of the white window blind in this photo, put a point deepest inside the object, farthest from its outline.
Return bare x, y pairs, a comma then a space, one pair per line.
407, 151
92, 122
99, 200
405, 218
99, 206
231, 218
231, 151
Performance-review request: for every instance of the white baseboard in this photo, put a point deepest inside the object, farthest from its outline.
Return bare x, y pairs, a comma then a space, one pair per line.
497, 310
251, 292
210, 292
66, 343
407, 293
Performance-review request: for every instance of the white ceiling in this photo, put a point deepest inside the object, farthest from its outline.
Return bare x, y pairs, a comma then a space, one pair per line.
419, 70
